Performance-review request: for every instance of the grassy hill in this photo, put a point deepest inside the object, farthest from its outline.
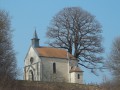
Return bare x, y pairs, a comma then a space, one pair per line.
33, 85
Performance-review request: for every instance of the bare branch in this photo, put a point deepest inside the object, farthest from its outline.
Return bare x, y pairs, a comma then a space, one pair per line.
80, 33
8, 69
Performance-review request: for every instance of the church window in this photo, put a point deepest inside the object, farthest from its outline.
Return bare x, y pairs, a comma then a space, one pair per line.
54, 67
31, 60
31, 76
78, 76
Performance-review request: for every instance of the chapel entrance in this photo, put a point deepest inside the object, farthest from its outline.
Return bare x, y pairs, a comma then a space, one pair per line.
31, 76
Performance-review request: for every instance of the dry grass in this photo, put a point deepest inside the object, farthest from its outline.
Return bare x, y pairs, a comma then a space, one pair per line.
27, 85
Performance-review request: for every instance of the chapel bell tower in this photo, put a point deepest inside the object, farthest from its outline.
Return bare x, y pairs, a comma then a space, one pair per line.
35, 40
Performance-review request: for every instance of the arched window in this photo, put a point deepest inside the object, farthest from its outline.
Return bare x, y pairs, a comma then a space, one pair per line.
78, 76
31, 76
31, 60
54, 67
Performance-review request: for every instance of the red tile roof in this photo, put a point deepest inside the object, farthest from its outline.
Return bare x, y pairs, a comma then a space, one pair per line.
54, 53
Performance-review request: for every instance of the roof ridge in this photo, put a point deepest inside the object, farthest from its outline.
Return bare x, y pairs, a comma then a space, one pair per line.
52, 47
54, 52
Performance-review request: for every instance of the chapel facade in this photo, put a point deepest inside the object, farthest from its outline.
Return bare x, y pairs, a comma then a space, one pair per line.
51, 64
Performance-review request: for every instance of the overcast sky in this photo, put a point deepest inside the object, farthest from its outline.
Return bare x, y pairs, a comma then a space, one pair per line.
28, 14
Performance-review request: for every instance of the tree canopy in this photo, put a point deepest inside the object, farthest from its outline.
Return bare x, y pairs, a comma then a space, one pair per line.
77, 31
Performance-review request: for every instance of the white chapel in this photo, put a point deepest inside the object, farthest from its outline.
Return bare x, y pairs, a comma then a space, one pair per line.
51, 64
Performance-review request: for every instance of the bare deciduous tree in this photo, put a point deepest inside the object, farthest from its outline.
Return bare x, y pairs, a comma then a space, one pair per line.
79, 32
114, 59
8, 69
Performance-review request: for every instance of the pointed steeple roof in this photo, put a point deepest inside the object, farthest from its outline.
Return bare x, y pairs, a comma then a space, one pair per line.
35, 40
35, 35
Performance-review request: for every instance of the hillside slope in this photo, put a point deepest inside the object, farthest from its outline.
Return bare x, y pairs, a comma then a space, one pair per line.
32, 85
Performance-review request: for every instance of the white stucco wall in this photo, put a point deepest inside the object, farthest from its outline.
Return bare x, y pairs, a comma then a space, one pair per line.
74, 77
62, 69
33, 66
